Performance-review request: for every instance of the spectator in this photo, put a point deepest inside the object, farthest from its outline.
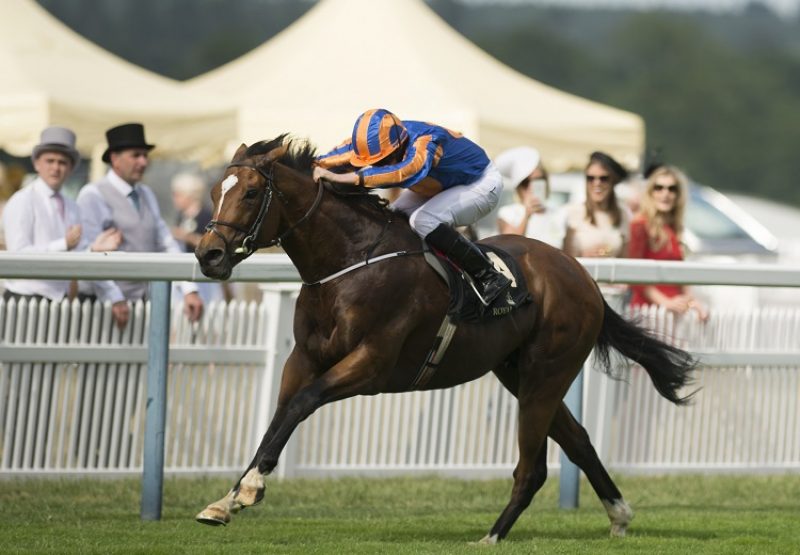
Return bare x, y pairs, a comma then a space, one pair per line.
655, 234
447, 181
39, 219
529, 215
119, 200
192, 216
598, 227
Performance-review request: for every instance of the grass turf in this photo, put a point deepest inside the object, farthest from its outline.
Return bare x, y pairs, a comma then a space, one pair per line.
678, 514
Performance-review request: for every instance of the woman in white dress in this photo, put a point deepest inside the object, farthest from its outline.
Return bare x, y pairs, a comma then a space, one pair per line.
522, 169
600, 226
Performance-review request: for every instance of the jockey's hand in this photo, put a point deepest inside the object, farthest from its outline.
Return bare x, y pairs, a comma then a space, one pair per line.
349, 178
193, 306
321, 173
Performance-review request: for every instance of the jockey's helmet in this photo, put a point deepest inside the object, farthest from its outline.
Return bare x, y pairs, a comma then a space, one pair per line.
376, 134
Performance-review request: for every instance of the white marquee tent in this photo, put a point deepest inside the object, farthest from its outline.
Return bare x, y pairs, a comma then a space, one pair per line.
52, 76
345, 56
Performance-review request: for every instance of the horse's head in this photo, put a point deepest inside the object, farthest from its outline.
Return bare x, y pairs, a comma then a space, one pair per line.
243, 206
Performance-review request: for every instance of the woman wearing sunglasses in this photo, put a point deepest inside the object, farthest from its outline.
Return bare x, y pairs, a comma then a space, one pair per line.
599, 226
655, 234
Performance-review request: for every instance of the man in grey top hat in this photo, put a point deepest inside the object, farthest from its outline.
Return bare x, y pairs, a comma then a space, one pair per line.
121, 201
39, 219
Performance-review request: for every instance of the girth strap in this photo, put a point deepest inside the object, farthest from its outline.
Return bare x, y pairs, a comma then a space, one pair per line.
440, 345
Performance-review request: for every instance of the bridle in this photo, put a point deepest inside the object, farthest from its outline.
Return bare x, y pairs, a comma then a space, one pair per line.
248, 243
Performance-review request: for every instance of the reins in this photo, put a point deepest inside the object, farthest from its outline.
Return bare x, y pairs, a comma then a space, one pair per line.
247, 248
248, 243
368, 259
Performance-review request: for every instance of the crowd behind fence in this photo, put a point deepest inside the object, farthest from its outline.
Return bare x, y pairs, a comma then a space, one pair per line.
71, 399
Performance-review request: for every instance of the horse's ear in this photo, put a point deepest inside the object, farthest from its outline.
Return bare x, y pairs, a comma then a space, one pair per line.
271, 156
239, 154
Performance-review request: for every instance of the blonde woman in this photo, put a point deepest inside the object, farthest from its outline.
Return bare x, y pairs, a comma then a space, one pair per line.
655, 234
599, 226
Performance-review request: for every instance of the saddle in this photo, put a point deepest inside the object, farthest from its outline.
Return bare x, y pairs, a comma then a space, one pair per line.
465, 305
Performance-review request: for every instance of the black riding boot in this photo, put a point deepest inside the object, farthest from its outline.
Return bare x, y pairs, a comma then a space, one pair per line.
471, 259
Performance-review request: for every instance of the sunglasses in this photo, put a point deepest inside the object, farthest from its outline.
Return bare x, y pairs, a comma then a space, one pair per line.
671, 188
601, 178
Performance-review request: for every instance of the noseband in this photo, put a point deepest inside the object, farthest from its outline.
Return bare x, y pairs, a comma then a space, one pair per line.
248, 243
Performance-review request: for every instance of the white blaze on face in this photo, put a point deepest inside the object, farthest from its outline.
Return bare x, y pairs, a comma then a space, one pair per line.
227, 184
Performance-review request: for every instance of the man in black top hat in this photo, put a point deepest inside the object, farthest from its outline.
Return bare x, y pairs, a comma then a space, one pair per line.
120, 200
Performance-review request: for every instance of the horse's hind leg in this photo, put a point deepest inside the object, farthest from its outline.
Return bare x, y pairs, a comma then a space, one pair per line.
539, 392
574, 440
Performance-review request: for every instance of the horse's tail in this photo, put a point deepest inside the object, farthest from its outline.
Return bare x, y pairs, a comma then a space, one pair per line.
670, 368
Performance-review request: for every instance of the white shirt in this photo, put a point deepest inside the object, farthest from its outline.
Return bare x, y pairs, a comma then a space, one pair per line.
96, 214
603, 234
33, 223
547, 226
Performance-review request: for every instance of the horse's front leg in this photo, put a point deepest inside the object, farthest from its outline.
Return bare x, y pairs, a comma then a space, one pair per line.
249, 489
354, 375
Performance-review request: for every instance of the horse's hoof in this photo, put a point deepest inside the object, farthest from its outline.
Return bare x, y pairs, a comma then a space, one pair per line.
489, 540
620, 514
213, 516
247, 497
618, 530
251, 489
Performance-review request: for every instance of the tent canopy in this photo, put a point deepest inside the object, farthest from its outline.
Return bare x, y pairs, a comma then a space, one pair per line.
346, 56
53, 76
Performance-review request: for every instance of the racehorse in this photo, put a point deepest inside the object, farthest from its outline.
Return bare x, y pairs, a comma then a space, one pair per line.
364, 329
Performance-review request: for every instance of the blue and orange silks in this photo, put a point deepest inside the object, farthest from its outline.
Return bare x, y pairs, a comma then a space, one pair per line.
435, 158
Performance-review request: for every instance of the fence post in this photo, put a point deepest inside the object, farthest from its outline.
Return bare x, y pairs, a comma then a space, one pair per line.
156, 407
569, 476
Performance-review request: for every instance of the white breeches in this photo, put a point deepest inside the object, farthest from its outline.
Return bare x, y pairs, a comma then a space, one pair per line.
457, 206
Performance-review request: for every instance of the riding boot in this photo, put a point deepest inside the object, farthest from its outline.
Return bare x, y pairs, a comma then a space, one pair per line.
471, 259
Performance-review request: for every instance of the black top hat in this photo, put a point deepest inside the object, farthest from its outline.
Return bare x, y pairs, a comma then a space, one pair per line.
127, 135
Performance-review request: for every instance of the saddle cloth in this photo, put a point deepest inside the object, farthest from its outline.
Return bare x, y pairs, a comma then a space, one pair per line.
465, 306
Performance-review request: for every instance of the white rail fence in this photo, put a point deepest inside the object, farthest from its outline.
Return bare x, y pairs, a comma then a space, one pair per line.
72, 388
79, 409
72, 401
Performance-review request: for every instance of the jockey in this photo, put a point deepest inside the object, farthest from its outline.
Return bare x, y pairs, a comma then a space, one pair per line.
447, 181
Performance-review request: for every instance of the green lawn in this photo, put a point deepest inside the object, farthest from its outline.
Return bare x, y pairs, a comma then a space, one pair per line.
680, 515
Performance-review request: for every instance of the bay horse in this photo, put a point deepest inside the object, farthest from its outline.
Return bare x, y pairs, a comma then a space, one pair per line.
364, 329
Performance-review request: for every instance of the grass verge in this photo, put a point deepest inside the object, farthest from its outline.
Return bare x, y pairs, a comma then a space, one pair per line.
677, 514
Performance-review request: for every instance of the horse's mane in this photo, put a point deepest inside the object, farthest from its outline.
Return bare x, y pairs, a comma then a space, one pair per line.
300, 156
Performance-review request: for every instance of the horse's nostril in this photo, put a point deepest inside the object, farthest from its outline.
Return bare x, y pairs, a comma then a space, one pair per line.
212, 257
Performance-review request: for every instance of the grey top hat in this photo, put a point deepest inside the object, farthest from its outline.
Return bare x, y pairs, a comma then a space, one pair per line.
57, 139
127, 135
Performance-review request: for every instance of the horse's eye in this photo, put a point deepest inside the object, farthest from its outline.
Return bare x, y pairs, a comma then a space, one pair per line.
251, 194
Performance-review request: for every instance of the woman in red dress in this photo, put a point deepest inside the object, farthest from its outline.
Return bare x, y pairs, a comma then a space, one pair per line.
655, 234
